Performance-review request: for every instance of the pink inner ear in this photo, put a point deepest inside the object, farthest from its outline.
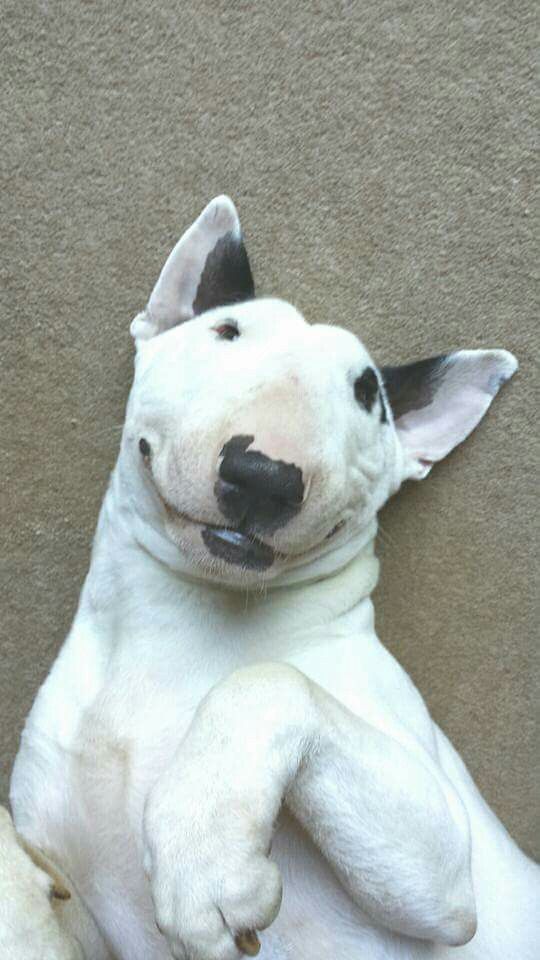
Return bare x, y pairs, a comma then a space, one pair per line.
172, 299
430, 433
459, 399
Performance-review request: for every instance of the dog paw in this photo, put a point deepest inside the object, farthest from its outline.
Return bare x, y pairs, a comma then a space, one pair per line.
213, 886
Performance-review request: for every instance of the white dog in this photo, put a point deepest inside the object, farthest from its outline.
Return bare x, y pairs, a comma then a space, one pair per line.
223, 746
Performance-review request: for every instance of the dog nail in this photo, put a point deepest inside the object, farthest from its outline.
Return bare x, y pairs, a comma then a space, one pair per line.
248, 942
60, 892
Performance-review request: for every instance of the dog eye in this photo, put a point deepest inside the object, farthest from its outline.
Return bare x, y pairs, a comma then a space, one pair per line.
145, 448
228, 330
366, 388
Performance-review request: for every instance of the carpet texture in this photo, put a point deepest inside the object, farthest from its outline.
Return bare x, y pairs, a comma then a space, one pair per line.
381, 156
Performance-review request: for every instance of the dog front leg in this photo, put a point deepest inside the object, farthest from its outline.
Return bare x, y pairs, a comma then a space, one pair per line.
209, 820
390, 823
385, 818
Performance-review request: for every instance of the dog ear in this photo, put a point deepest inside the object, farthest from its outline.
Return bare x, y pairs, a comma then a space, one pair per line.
207, 268
437, 402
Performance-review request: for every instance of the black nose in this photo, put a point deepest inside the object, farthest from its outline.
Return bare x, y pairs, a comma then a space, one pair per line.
254, 491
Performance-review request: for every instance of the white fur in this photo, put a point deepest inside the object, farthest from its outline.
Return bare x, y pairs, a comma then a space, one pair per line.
199, 713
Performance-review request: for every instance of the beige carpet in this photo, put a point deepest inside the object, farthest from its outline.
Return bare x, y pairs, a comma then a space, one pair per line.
381, 157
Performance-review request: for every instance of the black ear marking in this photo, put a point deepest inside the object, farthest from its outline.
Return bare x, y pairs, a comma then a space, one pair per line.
366, 388
226, 277
413, 385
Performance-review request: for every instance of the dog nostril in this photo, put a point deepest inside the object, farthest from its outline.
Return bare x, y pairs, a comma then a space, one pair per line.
145, 448
232, 498
228, 489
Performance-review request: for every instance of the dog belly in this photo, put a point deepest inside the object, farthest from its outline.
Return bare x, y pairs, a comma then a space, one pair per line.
90, 819
88, 814
317, 920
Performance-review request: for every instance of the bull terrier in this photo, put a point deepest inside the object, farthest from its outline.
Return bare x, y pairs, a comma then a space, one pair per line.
224, 759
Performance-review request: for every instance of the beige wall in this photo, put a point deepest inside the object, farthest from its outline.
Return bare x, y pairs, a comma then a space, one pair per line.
381, 157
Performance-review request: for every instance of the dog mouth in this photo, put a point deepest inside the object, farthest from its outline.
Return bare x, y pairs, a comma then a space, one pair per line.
230, 544
238, 547
244, 549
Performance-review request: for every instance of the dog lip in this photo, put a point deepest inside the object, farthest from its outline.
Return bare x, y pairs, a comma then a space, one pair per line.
235, 546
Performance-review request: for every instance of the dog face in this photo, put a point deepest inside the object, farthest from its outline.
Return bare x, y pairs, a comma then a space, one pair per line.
256, 444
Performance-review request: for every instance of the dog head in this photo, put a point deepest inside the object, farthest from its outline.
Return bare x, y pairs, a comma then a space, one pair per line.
256, 444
